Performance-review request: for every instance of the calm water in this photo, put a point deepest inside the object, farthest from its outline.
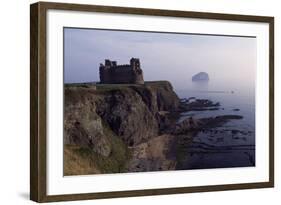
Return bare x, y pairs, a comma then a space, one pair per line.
230, 145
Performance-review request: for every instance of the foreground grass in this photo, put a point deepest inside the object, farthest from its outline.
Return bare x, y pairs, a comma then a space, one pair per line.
82, 160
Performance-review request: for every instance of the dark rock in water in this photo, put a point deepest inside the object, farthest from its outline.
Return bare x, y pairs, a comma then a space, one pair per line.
191, 98
198, 105
229, 117
202, 76
183, 100
192, 124
234, 132
236, 109
219, 120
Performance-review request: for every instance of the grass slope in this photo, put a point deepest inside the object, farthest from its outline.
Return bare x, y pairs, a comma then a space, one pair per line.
84, 160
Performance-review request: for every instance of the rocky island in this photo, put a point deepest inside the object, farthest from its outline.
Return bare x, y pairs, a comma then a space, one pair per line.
202, 76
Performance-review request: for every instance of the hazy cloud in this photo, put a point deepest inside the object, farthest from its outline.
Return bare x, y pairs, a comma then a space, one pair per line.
164, 56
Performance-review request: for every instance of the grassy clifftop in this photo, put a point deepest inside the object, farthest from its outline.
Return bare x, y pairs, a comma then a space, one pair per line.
102, 87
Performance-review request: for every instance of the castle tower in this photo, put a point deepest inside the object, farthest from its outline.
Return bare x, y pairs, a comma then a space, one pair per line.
105, 71
135, 63
107, 63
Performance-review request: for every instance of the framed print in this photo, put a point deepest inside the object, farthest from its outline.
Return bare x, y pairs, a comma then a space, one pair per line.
134, 102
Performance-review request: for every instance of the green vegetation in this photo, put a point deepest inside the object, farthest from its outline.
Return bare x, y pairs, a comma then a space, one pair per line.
85, 85
114, 86
84, 160
182, 148
159, 82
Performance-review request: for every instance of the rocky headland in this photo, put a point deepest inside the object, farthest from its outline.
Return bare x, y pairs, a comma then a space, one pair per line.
130, 128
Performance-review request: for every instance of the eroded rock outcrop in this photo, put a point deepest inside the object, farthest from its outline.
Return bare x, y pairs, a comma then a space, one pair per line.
133, 113
82, 125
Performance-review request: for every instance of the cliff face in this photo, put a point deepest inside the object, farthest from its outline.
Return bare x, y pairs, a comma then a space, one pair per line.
127, 116
131, 112
95, 115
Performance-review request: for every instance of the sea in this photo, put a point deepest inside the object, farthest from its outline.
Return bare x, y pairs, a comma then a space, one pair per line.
231, 144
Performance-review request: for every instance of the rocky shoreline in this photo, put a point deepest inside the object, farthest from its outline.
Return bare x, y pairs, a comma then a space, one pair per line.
133, 128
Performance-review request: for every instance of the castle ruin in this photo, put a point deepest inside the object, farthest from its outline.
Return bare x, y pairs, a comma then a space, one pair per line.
111, 73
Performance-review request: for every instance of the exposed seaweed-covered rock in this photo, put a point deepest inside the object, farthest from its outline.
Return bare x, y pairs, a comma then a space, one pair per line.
191, 124
193, 104
219, 120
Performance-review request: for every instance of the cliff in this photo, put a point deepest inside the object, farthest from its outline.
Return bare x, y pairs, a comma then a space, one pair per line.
119, 128
102, 122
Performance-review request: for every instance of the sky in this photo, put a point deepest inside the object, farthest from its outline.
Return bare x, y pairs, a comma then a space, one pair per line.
163, 56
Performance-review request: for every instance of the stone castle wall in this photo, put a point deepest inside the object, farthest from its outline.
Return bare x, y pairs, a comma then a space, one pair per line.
111, 73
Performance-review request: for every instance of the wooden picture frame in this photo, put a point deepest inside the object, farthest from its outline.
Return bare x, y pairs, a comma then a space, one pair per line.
38, 100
